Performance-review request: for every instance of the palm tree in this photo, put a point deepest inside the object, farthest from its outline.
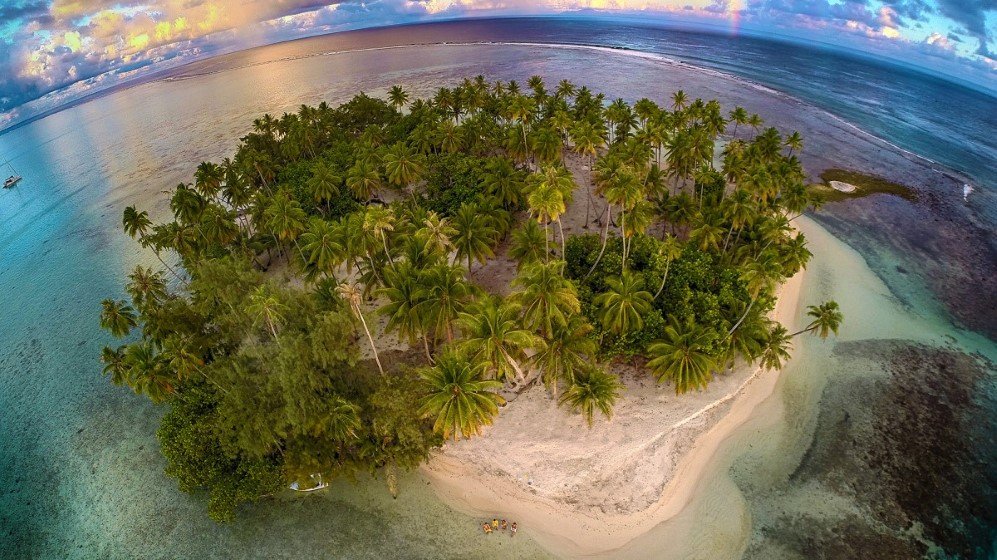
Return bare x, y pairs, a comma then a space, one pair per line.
606, 173
114, 364
682, 357
566, 350
285, 218
707, 236
494, 336
363, 179
738, 116
679, 100
521, 108
187, 204
397, 97
502, 181
404, 294
378, 221
439, 233
528, 244
680, 210
546, 144
740, 210
146, 287
137, 224
755, 121
549, 197
794, 254
446, 295
117, 317
457, 397
775, 347
669, 249
352, 295
626, 192
475, 235
324, 183
644, 108
794, 142
586, 139
322, 246
218, 226
594, 389
548, 298
402, 165
758, 276
146, 372
208, 179
265, 306
827, 319
621, 307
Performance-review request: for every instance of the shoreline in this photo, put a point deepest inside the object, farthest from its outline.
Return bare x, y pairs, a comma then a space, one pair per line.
566, 529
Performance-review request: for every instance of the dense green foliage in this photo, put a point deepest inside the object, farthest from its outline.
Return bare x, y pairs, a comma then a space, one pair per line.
260, 334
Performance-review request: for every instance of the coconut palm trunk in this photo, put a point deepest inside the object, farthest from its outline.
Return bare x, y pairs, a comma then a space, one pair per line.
663, 279
425, 345
605, 239
743, 317
561, 230
369, 339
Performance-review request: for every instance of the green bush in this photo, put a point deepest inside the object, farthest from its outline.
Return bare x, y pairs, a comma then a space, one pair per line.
452, 180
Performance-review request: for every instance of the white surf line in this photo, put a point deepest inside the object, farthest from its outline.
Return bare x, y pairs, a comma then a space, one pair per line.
626, 51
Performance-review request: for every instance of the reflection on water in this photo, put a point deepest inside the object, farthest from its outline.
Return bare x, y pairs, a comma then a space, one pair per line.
80, 473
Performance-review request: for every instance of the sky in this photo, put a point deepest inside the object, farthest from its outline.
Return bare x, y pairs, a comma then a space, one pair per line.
55, 51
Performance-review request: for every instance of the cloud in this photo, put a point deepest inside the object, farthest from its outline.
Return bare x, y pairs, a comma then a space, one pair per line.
972, 15
52, 48
916, 10
23, 10
850, 17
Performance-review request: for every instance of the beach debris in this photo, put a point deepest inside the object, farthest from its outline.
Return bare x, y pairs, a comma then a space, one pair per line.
966, 189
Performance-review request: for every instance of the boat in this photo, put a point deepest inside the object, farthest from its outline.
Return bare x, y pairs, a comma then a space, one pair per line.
13, 179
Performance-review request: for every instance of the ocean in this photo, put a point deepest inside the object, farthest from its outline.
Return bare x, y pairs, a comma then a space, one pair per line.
80, 472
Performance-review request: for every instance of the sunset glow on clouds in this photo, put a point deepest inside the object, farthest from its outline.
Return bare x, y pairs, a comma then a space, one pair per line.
58, 50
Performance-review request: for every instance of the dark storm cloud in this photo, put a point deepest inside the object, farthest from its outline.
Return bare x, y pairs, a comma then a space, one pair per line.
30, 9
971, 14
914, 10
816, 9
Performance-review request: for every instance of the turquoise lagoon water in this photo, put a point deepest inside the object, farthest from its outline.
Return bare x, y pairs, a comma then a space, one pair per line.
80, 472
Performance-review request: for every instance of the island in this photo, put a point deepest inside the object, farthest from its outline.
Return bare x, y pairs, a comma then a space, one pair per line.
362, 290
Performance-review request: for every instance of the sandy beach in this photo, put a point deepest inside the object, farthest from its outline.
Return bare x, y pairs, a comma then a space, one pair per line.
581, 491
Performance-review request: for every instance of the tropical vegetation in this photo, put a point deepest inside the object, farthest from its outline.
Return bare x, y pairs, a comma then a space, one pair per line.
333, 301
